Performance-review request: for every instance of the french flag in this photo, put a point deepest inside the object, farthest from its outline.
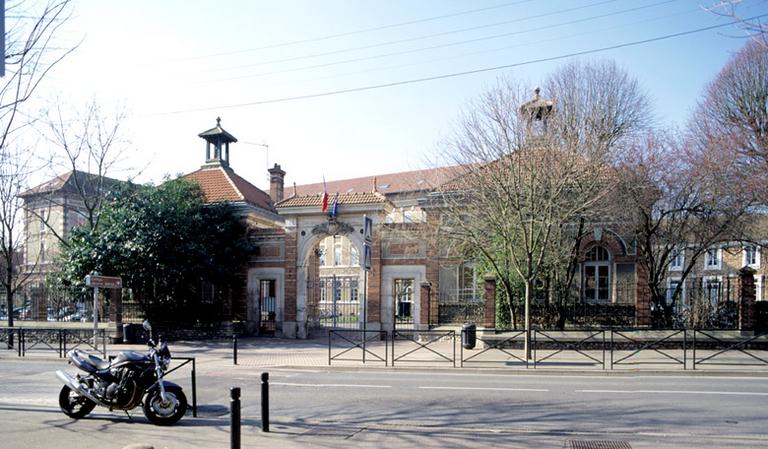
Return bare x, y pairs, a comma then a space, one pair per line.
325, 196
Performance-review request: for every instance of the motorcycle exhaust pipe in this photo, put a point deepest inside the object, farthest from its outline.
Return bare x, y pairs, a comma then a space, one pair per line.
78, 387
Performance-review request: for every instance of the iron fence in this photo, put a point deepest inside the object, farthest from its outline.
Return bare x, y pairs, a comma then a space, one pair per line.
731, 343
500, 343
588, 345
348, 340
56, 340
657, 341
426, 343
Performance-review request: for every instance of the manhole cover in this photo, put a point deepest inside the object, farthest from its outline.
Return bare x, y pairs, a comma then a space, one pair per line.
596, 444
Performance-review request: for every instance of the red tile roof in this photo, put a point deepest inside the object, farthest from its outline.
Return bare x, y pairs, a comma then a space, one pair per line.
223, 184
409, 181
344, 200
74, 181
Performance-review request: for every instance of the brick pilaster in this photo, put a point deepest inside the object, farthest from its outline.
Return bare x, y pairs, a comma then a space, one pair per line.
489, 320
643, 299
425, 306
747, 295
374, 280
290, 277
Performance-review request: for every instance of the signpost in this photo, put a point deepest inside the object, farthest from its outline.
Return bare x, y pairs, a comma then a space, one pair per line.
367, 241
96, 281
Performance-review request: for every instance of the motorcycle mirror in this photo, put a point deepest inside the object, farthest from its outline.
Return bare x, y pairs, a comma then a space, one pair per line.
147, 327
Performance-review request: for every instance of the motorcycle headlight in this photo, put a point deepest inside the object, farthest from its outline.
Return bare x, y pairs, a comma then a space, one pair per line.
165, 362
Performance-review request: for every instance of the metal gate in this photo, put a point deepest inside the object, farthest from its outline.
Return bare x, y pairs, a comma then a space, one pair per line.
404, 303
335, 303
267, 307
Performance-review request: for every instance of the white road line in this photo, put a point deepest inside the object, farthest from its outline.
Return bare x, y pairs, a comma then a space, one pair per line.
726, 393
484, 389
291, 384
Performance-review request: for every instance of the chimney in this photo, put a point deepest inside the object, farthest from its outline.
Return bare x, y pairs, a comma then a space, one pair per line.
276, 183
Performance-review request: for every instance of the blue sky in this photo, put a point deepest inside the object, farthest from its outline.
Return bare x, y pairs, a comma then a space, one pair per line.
177, 65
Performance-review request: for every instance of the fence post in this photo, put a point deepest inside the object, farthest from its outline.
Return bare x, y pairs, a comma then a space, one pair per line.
234, 348
234, 412
265, 402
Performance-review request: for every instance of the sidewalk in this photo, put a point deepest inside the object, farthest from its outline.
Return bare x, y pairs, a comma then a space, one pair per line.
264, 352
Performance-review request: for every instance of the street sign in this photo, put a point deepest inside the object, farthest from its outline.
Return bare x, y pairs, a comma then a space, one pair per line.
93, 280
367, 256
368, 229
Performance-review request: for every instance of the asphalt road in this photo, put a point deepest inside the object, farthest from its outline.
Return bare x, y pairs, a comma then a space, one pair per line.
435, 409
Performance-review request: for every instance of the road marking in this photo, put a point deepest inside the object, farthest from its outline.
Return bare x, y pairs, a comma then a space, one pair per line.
291, 384
485, 389
727, 393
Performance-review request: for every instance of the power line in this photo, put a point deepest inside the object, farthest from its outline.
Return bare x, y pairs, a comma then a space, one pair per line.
464, 73
415, 38
497, 49
365, 30
449, 44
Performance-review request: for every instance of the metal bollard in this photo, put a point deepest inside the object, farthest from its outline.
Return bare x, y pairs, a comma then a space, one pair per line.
234, 348
234, 412
265, 402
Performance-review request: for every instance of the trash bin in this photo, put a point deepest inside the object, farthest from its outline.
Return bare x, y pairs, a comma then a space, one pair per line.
468, 335
129, 333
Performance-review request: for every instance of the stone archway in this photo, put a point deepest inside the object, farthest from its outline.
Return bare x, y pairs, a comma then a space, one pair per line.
331, 288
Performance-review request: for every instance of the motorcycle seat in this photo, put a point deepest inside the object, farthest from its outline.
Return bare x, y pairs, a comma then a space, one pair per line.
87, 362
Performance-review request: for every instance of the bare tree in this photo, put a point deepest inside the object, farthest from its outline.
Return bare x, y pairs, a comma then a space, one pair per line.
535, 171
733, 115
678, 203
30, 56
89, 147
755, 27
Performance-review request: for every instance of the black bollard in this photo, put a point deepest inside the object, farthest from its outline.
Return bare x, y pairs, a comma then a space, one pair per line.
265, 402
234, 412
234, 348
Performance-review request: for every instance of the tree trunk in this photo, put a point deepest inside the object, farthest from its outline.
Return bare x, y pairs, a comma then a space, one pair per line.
9, 305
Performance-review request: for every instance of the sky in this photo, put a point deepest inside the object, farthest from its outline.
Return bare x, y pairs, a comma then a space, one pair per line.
175, 66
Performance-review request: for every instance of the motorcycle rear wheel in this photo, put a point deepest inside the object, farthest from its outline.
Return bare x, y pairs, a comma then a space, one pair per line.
168, 413
74, 405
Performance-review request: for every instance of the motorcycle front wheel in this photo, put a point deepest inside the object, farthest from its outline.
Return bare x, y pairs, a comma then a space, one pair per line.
74, 405
165, 413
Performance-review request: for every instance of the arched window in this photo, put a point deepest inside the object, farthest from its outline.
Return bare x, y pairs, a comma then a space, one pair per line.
596, 254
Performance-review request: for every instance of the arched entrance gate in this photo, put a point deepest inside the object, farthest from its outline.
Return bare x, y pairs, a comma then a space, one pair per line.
331, 278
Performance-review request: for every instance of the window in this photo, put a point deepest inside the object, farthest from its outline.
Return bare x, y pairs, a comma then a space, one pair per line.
597, 276
676, 260
598, 253
42, 217
354, 256
336, 251
758, 288
321, 254
672, 287
712, 288
752, 256
712, 259
458, 283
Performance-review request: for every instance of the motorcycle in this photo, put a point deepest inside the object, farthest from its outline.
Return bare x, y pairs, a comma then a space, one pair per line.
127, 381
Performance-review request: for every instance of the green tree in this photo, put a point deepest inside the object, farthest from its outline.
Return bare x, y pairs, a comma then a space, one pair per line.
165, 243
